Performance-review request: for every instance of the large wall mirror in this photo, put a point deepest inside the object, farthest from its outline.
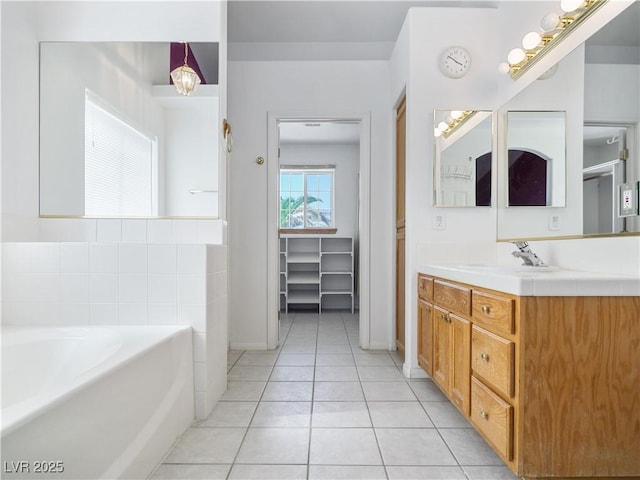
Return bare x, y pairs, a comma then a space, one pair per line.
463, 158
597, 86
116, 140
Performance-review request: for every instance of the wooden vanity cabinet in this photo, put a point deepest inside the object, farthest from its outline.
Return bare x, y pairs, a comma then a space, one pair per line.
425, 323
451, 338
551, 383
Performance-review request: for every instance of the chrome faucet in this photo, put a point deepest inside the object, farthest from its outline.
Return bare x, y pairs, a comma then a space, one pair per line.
527, 256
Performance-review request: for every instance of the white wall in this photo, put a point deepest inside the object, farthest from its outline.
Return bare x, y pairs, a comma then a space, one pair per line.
191, 151
469, 234
301, 89
346, 158
24, 25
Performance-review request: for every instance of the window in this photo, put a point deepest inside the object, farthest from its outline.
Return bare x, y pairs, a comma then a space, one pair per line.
120, 164
306, 198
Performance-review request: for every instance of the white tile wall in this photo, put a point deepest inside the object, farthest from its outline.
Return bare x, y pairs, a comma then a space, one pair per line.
128, 283
160, 231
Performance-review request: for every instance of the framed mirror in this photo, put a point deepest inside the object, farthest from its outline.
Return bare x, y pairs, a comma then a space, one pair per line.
117, 140
463, 158
536, 159
598, 86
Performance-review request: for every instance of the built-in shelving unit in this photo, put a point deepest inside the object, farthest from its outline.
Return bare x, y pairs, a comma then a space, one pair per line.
316, 271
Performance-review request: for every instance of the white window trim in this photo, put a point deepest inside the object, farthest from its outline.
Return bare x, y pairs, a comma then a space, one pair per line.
311, 169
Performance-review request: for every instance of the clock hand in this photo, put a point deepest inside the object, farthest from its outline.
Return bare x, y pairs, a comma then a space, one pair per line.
449, 56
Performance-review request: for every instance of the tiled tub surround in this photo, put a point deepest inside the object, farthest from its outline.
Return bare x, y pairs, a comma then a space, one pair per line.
78, 283
65, 390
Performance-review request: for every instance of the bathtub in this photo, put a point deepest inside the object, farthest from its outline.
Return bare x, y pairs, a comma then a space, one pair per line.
93, 402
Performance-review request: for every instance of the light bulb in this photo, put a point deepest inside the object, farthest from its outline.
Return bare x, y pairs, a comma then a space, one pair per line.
504, 68
531, 40
570, 5
516, 56
456, 114
549, 22
437, 132
443, 126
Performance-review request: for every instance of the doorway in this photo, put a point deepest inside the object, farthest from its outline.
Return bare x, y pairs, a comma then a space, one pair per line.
318, 206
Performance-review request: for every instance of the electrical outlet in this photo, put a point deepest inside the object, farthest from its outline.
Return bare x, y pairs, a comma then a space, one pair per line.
439, 222
554, 222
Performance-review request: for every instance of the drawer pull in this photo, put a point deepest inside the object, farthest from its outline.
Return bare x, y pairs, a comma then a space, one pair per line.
486, 309
484, 415
445, 317
484, 356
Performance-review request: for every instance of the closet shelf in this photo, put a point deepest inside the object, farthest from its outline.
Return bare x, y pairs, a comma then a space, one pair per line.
315, 267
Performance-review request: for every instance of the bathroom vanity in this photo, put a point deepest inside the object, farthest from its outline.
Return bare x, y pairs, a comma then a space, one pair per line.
545, 364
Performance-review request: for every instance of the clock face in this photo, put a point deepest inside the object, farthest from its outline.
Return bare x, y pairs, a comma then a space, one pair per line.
455, 62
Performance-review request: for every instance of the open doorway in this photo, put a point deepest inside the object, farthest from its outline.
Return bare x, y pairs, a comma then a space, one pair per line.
318, 217
609, 156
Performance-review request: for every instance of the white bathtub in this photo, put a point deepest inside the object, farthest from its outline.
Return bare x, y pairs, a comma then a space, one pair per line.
93, 402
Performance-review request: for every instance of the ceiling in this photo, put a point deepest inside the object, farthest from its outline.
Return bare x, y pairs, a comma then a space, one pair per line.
321, 29
332, 131
359, 29
266, 30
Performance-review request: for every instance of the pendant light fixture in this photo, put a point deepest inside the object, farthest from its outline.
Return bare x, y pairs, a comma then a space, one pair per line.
184, 77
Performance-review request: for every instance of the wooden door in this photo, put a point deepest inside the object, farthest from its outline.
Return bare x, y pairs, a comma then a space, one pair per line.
400, 224
425, 336
460, 362
442, 349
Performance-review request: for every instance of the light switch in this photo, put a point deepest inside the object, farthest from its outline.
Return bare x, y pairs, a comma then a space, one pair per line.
439, 222
554, 222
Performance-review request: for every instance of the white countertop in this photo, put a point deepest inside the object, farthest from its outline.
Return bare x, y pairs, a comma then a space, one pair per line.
538, 281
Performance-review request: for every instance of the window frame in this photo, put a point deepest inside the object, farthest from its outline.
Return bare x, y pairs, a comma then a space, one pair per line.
310, 170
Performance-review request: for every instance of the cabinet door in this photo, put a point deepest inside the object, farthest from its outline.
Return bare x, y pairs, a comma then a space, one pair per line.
442, 349
461, 362
425, 336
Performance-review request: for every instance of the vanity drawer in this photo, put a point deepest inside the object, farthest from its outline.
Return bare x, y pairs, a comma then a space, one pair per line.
493, 311
492, 360
425, 288
453, 297
493, 417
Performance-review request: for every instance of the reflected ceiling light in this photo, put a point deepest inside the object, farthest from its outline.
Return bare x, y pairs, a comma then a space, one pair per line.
446, 128
184, 77
554, 28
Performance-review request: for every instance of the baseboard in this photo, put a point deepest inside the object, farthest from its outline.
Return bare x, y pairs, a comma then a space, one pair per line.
248, 346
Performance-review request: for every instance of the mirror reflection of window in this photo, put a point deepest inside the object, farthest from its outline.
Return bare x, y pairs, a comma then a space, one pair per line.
536, 158
528, 179
121, 163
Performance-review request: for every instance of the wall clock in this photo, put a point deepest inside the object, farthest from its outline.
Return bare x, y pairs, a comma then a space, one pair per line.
455, 62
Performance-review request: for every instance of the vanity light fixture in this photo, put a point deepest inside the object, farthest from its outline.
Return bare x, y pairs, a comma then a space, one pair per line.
454, 120
184, 77
554, 28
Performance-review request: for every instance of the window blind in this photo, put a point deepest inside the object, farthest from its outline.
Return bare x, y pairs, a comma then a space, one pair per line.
119, 164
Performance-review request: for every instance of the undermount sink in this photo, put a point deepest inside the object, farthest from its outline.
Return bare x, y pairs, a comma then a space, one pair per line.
505, 268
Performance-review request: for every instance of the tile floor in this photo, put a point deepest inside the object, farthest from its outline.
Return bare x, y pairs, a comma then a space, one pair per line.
319, 407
